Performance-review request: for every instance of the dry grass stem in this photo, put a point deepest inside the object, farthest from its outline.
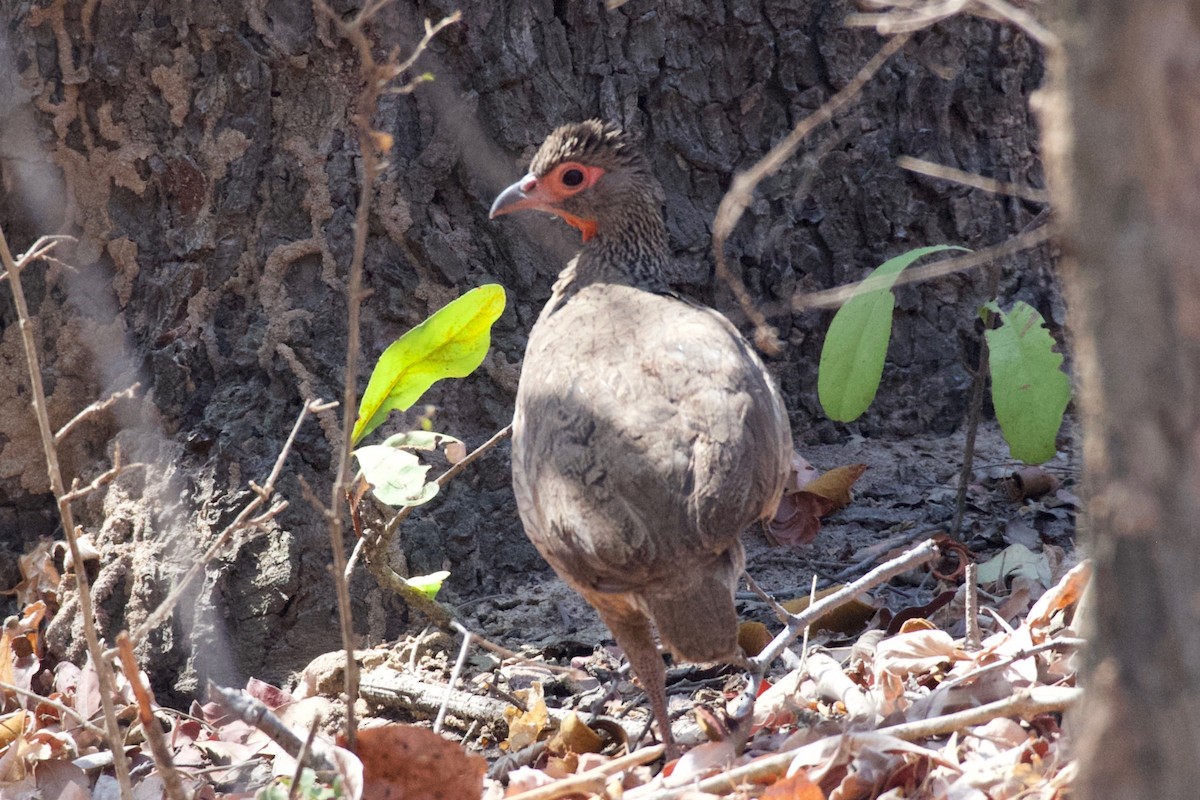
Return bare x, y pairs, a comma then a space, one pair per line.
741, 191
108, 689
832, 298
159, 749
454, 676
974, 637
942, 172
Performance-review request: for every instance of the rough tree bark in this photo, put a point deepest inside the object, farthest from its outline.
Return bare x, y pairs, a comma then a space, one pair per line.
199, 149
1129, 189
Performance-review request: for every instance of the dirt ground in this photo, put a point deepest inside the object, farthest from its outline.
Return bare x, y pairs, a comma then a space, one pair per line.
907, 494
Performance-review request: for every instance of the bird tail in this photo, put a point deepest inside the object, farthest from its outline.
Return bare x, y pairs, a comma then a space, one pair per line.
698, 621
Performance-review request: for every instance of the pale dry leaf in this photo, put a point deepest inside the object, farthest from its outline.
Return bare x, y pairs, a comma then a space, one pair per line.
916, 653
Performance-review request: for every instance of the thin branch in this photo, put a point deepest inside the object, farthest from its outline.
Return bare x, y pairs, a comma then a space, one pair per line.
256, 714
592, 781
741, 191
832, 298
243, 520
57, 706
108, 689
375, 77
93, 409
454, 676
974, 638
1025, 703
101, 480
172, 785
922, 553
945, 173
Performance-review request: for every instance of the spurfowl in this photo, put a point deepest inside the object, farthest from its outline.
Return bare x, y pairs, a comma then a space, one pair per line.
647, 434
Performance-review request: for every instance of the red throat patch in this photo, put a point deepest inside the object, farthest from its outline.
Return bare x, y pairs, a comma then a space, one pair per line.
587, 227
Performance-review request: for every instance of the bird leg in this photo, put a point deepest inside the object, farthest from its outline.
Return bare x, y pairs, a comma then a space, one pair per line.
631, 629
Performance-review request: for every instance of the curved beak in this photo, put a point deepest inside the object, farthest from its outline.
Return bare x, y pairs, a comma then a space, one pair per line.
522, 194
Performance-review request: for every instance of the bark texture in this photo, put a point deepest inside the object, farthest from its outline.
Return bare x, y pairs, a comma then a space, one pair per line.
201, 151
1123, 131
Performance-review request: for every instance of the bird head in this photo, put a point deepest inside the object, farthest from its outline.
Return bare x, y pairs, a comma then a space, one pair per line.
588, 173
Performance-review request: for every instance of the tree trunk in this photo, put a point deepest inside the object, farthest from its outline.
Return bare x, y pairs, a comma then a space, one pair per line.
1129, 188
200, 150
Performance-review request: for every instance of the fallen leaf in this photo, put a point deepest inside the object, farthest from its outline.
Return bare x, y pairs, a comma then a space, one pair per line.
795, 787
847, 618
574, 736
835, 484
525, 727
404, 762
752, 637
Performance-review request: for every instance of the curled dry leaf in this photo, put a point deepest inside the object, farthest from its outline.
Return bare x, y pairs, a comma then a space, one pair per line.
797, 521
916, 653
847, 619
525, 727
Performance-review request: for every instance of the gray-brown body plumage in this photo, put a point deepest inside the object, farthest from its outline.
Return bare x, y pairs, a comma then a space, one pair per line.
647, 434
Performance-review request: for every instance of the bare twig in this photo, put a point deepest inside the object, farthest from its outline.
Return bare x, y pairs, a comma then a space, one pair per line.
57, 706
1062, 643
108, 689
255, 713
1025, 703
974, 638
302, 757
371, 146
592, 781
93, 409
100, 480
741, 191
172, 785
454, 676
942, 172
922, 553
832, 298
241, 521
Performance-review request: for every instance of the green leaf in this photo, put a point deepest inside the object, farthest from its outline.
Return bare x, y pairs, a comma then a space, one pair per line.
430, 584
1030, 391
450, 344
856, 344
397, 477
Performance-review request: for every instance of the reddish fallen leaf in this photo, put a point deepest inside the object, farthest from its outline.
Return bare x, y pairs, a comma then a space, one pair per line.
403, 762
797, 521
797, 787
270, 696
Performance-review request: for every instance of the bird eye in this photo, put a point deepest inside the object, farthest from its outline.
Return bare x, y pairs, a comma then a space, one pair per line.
572, 177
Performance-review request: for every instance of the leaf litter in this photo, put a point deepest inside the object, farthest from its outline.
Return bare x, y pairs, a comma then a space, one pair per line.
842, 719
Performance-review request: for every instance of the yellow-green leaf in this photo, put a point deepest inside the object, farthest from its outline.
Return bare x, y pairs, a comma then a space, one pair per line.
1030, 391
450, 344
430, 584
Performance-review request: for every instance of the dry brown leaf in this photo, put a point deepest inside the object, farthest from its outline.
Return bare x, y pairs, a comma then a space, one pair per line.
525, 727
796, 787
797, 521
573, 736
1063, 595
752, 637
847, 619
404, 762
835, 484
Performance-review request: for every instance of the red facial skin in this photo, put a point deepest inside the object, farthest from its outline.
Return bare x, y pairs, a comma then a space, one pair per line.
546, 192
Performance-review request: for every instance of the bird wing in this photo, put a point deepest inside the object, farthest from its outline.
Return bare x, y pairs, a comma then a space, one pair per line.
647, 437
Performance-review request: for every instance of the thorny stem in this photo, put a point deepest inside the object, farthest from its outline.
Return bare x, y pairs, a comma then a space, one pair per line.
375, 77
108, 689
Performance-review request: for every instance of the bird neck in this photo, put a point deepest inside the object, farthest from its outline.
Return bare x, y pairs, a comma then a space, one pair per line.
629, 247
